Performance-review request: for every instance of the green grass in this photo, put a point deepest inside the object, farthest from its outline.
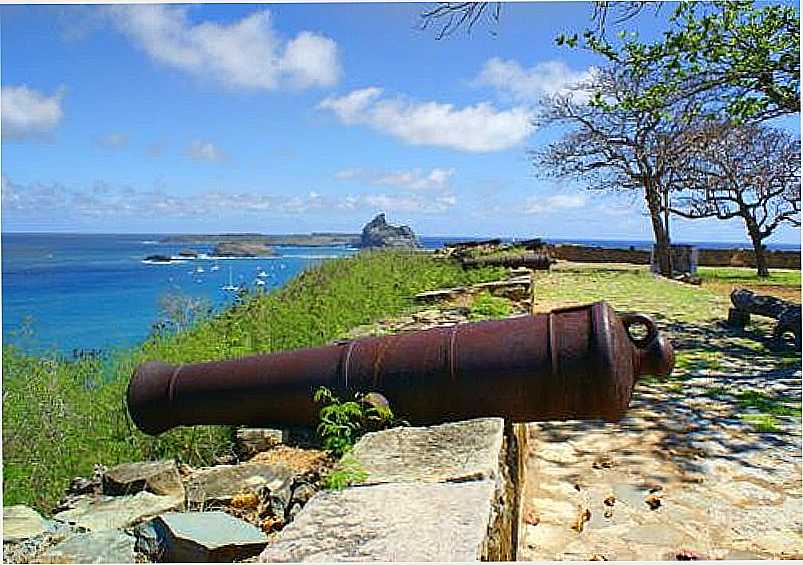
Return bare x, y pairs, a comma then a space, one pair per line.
765, 423
768, 404
485, 306
60, 417
748, 276
628, 289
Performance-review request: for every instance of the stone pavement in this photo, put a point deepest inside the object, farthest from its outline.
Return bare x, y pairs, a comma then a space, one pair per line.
686, 475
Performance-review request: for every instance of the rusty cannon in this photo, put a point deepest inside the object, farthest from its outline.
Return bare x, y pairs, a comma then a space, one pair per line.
572, 363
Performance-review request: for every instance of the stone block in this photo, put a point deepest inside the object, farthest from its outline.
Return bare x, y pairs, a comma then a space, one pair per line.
217, 485
113, 512
158, 477
390, 522
109, 546
21, 522
207, 537
251, 441
456, 451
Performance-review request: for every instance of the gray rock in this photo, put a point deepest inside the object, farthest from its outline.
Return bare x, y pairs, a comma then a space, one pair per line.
390, 522
207, 537
378, 233
113, 512
109, 546
21, 522
158, 477
217, 485
456, 451
253, 440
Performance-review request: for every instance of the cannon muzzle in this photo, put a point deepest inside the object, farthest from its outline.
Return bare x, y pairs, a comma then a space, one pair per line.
573, 363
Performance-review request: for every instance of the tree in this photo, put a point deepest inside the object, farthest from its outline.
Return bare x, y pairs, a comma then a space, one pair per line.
750, 172
613, 147
744, 58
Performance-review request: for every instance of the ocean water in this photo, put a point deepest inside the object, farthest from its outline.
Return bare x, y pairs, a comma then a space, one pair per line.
68, 292
93, 292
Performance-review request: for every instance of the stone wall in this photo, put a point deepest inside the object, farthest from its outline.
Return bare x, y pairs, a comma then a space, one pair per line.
442, 493
706, 257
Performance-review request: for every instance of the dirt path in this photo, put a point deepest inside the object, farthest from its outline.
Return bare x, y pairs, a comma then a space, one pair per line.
685, 475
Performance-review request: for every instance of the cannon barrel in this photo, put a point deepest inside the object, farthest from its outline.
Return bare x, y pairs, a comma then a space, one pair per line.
573, 363
539, 261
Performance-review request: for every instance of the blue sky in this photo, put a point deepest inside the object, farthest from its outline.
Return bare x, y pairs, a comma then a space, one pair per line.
295, 118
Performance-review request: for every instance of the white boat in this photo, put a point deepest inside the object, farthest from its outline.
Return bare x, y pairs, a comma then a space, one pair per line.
262, 275
200, 270
214, 267
230, 286
259, 282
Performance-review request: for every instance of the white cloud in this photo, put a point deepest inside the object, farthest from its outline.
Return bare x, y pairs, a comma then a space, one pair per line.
205, 151
532, 85
479, 128
348, 174
244, 54
436, 179
400, 203
114, 141
416, 179
105, 200
27, 113
538, 205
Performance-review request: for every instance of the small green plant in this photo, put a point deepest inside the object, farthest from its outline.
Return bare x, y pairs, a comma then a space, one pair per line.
348, 472
342, 423
762, 422
485, 305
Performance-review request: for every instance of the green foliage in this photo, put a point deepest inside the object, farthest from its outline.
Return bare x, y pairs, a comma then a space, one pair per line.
342, 423
486, 306
348, 472
743, 57
62, 417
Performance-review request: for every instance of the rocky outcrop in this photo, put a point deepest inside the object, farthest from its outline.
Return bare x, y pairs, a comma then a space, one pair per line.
243, 249
379, 233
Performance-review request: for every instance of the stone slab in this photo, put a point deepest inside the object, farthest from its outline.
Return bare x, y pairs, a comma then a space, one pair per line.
158, 477
457, 451
21, 522
390, 522
204, 537
114, 512
217, 485
109, 546
254, 440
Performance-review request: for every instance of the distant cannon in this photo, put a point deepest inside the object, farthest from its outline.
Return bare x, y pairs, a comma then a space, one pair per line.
787, 313
539, 261
573, 363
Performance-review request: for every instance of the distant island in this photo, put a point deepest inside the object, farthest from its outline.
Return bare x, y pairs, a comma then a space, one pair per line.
315, 239
243, 249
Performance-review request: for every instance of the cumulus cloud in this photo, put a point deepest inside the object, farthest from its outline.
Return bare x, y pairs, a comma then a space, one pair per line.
436, 179
113, 141
27, 113
399, 203
479, 128
538, 205
247, 53
533, 84
205, 151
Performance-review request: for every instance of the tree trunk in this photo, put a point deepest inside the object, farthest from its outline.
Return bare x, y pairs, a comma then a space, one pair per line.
758, 249
662, 251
